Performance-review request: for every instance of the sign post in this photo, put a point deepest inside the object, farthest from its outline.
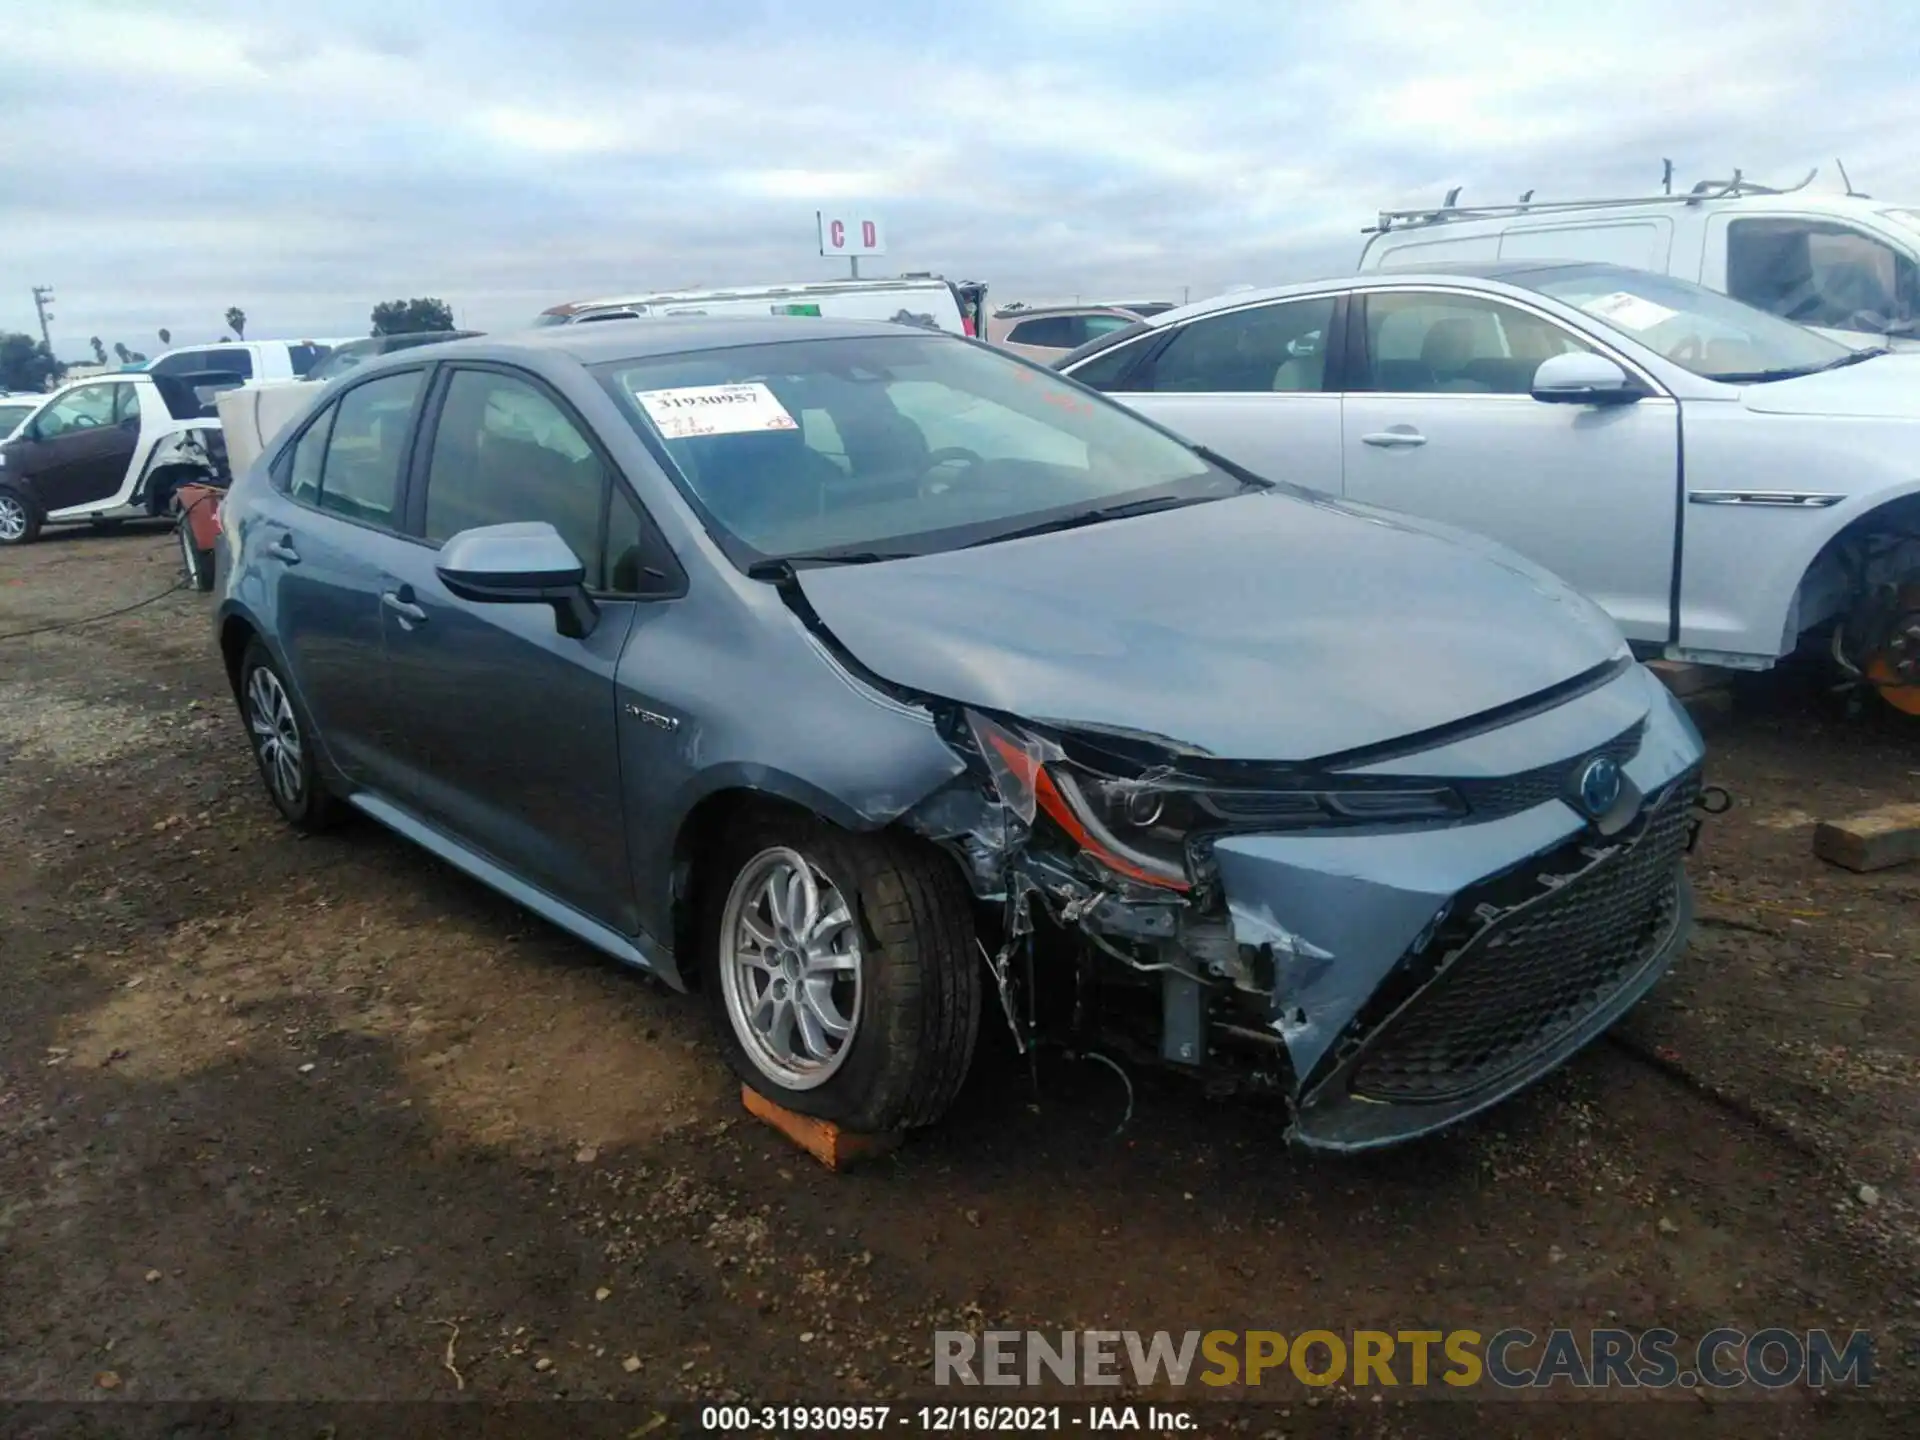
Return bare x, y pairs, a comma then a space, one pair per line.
852, 234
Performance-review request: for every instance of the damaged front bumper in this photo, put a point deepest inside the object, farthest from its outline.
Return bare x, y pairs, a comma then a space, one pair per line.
1391, 979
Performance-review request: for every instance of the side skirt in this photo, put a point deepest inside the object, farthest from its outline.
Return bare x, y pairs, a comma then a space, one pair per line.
638, 951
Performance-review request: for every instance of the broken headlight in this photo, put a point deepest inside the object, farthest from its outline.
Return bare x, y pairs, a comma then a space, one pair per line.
1140, 826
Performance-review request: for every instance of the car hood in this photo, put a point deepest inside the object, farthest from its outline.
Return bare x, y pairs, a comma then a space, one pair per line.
1887, 385
1265, 627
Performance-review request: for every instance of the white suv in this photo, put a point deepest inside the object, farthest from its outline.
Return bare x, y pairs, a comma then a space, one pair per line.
1722, 481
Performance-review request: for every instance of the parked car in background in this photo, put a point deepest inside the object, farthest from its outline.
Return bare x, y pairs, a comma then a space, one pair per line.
107, 448
251, 416
926, 300
1047, 332
251, 360
869, 679
14, 410
1846, 264
355, 353
1722, 481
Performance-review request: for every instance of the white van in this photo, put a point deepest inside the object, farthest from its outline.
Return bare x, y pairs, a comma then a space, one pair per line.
1846, 265
929, 300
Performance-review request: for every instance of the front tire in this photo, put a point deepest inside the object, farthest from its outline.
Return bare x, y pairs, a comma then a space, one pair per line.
282, 742
19, 516
842, 972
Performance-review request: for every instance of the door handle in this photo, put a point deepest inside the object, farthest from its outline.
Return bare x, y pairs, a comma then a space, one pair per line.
281, 548
1403, 439
410, 614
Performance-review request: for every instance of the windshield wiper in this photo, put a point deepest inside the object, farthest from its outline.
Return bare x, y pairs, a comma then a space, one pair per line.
1238, 471
1795, 372
786, 565
1094, 516
1855, 357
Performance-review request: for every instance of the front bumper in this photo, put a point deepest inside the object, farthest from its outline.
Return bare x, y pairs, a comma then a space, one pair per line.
1420, 976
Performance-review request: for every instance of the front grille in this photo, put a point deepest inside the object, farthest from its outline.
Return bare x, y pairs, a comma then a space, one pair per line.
1510, 794
1521, 978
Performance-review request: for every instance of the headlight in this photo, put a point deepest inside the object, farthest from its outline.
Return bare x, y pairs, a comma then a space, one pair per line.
1140, 827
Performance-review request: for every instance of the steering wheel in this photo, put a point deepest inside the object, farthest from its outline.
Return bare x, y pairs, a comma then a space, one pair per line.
946, 455
1688, 350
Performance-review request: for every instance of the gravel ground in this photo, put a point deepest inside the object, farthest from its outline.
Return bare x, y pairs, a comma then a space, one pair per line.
323, 1120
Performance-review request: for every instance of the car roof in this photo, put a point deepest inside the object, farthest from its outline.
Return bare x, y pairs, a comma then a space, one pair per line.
610, 340
749, 292
1516, 274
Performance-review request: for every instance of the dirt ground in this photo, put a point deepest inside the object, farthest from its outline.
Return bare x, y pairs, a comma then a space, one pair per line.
322, 1119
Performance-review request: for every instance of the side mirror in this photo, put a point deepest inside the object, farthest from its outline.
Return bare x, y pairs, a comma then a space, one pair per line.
1583, 379
523, 563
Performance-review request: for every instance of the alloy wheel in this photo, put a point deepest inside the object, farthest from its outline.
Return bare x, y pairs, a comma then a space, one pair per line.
13, 518
790, 968
276, 735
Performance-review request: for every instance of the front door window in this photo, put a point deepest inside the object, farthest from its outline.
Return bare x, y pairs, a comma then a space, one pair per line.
1822, 273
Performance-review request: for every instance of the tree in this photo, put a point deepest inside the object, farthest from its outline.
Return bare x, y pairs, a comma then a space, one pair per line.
26, 363
166, 336
237, 321
411, 317
99, 350
124, 355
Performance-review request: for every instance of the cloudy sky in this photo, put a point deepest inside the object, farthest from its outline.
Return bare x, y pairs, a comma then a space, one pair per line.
163, 161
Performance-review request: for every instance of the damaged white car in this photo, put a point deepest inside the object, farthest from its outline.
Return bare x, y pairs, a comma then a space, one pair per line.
107, 448
872, 679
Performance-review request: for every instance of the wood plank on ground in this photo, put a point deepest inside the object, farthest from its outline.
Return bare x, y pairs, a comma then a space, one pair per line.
1872, 840
832, 1146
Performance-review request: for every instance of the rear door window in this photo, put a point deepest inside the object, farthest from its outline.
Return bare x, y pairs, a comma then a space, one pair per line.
360, 479
1261, 349
1057, 332
299, 467
304, 357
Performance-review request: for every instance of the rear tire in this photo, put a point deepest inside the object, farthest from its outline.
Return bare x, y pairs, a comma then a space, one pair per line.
283, 744
19, 516
894, 969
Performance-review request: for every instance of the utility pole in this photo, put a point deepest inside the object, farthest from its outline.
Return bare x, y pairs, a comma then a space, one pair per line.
43, 297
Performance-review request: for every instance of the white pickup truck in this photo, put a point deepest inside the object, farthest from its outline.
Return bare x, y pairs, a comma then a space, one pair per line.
1724, 483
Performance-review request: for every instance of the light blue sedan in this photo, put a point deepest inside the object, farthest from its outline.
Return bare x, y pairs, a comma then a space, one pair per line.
868, 679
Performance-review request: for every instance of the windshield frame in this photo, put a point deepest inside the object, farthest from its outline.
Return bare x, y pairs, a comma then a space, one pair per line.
1596, 281
1206, 482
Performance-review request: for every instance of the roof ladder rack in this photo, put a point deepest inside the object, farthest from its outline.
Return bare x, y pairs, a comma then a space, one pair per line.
1451, 209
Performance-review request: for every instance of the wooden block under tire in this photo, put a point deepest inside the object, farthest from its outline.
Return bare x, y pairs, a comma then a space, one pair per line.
1874, 840
825, 1141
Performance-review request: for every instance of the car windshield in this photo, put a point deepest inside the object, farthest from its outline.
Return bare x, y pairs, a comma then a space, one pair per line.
1701, 330
12, 413
344, 358
875, 446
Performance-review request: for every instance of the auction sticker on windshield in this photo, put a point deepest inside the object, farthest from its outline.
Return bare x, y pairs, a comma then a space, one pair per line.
714, 410
1628, 311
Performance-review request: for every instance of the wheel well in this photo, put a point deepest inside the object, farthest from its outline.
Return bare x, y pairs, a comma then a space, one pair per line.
235, 635
1825, 589
162, 480
699, 832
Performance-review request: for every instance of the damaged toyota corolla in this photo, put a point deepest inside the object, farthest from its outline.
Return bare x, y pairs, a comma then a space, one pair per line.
871, 680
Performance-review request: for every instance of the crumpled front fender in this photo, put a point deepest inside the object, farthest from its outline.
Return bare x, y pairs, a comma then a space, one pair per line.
1339, 912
